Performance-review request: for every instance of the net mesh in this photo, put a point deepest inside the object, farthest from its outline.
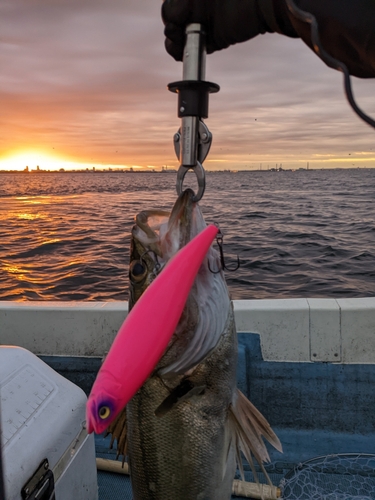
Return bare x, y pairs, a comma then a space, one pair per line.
333, 477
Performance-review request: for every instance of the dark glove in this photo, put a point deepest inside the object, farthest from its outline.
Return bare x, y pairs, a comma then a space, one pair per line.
226, 21
346, 31
346, 27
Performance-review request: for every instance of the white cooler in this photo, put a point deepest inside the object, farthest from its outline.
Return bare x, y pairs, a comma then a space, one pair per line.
44, 440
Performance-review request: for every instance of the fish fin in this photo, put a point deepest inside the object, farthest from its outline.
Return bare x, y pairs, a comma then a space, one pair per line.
185, 390
230, 456
249, 427
214, 313
118, 429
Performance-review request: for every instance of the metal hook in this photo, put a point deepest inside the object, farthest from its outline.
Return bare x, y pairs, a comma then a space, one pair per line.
219, 241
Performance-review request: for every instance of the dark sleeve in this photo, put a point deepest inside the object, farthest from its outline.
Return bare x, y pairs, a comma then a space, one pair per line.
346, 29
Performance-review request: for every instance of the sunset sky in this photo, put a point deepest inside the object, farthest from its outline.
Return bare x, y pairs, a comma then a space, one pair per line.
83, 84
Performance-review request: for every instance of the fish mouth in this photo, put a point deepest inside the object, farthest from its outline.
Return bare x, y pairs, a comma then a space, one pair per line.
162, 234
182, 225
182, 217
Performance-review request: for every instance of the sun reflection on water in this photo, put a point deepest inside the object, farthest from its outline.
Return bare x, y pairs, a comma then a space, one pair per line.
30, 216
49, 242
16, 271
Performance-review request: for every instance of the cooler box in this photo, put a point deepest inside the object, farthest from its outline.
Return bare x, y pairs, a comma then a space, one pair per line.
45, 445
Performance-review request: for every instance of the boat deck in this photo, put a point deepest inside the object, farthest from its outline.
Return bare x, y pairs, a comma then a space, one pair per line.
316, 409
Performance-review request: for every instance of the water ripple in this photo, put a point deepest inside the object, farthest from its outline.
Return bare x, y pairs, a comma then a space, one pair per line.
298, 234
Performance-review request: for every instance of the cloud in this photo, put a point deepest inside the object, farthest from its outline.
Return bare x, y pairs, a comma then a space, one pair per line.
88, 78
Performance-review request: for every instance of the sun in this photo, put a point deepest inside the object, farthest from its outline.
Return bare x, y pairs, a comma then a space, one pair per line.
40, 161
34, 160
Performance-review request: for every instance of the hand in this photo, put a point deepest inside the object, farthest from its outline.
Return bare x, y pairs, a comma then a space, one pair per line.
226, 22
346, 27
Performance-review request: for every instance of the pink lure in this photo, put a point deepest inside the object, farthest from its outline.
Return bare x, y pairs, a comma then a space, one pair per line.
145, 334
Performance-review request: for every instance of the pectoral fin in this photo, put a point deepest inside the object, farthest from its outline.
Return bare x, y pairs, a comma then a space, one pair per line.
118, 429
185, 390
248, 426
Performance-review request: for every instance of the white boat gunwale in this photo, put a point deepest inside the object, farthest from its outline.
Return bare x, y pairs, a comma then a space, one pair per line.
296, 330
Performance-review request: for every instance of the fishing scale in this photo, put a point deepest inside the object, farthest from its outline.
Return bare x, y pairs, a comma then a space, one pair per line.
193, 140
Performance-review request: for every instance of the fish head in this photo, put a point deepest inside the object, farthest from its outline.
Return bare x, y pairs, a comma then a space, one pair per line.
145, 251
156, 238
103, 404
158, 235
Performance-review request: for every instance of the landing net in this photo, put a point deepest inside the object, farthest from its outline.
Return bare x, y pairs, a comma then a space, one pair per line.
333, 477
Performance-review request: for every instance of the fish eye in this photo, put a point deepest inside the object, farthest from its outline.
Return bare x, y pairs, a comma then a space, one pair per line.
137, 270
104, 412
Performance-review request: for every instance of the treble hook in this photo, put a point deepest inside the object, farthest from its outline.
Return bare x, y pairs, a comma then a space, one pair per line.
219, 241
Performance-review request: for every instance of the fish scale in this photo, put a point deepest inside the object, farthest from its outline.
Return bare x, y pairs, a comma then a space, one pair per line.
172, 456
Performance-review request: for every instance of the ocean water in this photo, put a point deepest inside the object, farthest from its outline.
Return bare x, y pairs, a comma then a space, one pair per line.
66, 236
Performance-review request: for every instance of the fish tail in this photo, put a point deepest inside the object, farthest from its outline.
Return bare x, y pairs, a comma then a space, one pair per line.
248, 426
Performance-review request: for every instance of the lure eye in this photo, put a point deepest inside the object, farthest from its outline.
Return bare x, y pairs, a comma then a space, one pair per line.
104, 412
137, 270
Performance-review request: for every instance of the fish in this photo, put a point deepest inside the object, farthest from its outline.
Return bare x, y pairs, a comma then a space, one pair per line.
185, 428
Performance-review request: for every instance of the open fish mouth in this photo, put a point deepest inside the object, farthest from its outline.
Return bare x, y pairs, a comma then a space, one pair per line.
162, 234
185, 222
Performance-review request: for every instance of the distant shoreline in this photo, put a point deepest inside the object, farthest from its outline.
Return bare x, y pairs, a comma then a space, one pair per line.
135, 172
